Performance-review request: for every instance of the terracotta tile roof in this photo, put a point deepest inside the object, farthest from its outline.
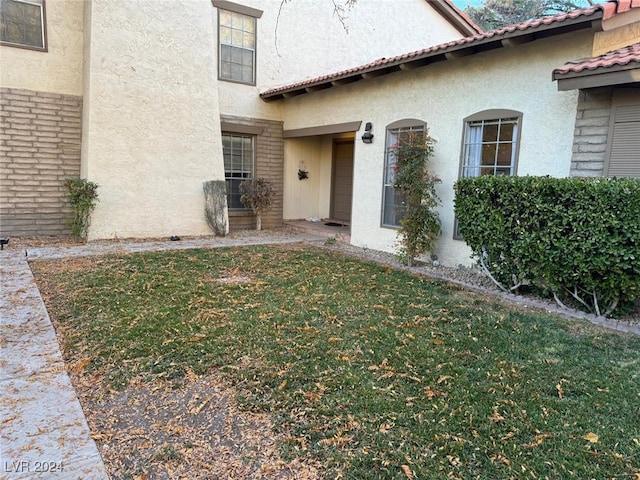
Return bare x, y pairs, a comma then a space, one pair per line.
546, 26
618, 58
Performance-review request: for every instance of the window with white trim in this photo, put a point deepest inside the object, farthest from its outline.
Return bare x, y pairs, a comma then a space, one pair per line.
22, 23
237, 46
393, 202
238, 153
490, 146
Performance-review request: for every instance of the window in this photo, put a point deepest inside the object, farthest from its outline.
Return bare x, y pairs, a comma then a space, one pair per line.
237, 37
238, 152
490, 145
393, 202
22, 23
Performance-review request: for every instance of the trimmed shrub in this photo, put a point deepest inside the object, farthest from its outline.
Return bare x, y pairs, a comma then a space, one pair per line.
577, 239
215, 206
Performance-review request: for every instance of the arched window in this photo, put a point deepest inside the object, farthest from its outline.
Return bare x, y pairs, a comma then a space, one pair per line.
393, 204
490, 143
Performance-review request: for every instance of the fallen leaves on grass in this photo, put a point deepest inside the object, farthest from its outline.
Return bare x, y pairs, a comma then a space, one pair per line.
591, 437
151, 430
407, 471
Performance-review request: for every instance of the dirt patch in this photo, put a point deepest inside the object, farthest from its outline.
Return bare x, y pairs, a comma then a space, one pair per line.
154, 431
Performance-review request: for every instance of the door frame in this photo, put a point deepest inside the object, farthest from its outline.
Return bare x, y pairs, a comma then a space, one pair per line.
337, 142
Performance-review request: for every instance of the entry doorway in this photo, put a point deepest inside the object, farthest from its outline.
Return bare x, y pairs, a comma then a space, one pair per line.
342, 180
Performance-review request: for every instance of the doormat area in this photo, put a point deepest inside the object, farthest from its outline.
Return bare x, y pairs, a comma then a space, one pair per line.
334, 224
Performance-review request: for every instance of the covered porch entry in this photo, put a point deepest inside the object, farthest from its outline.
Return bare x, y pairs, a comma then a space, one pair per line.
318, 178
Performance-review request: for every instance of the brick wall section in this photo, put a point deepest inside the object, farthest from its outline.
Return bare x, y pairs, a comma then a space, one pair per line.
40, 136
591, 132
269, 164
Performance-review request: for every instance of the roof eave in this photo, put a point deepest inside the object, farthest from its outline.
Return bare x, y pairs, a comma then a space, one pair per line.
449, 51
599, 77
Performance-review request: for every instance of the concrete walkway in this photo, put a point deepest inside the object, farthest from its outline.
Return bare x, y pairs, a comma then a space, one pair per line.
43, 430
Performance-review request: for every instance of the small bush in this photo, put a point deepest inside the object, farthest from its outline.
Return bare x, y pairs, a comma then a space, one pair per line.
577, 239
257, 195
83, 196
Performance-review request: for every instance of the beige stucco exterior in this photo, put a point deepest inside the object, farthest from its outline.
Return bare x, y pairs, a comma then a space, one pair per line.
145, 73
58, 70
151, 124
311, 41
442, 95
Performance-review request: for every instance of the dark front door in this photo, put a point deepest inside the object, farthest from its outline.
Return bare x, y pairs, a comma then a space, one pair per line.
342, 181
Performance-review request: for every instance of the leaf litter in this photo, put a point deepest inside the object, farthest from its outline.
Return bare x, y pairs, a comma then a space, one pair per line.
195, 431
155, 430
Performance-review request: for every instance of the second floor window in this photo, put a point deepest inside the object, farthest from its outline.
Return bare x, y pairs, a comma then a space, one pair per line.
237, 39
22, 23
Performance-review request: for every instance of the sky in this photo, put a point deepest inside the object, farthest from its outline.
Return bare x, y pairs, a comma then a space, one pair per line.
461, 4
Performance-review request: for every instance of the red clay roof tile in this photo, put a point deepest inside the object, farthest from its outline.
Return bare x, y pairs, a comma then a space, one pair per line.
603, 10
617, 58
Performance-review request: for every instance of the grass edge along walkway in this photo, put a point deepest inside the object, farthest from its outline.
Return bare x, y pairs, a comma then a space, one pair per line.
372, 371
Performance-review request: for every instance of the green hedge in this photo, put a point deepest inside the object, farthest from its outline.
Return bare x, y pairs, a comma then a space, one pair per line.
577, 239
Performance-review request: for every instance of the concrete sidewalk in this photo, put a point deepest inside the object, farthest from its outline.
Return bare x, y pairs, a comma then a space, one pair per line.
43, 430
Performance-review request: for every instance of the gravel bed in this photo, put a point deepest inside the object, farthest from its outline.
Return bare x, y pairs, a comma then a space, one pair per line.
475, 279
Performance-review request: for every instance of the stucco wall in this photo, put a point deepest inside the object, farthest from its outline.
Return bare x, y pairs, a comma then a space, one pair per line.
58, 70
516, 78
151, 128
309, 197
310, 41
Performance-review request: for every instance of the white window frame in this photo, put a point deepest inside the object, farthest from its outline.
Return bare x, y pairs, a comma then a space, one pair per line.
237, 41
43, 25
479, 155
393, 206
234, 172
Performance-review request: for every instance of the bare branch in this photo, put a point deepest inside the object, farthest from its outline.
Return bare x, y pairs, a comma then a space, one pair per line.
486, 270
339, 10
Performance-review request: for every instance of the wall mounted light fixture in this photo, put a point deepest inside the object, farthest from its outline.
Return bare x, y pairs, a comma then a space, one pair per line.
367, 136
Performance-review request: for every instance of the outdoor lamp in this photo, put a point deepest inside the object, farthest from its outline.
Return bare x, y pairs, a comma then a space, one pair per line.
367, 136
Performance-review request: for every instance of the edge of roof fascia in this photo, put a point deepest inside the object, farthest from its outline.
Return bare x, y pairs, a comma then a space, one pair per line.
456, 17
599, 78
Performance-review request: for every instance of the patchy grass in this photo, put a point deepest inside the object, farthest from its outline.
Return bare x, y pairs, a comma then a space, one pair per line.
372, 372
